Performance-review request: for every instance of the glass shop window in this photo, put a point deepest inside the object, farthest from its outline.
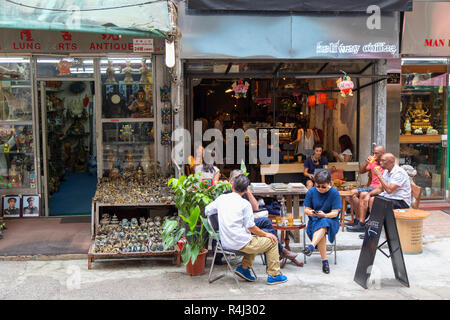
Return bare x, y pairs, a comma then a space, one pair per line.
423, 122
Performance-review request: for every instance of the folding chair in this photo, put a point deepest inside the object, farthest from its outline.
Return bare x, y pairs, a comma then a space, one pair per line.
227, 253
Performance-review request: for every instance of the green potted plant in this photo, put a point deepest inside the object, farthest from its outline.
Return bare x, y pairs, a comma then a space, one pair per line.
191, 197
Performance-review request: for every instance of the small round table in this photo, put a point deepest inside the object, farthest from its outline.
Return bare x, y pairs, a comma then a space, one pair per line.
285, 240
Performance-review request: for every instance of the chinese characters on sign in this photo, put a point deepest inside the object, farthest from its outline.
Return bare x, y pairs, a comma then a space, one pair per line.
40, 41
143, 45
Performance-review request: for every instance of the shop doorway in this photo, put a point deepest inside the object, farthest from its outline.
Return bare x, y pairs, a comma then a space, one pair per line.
68, 151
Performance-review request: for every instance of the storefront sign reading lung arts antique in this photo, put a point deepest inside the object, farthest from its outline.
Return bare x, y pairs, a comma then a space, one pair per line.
339, 47
39, 41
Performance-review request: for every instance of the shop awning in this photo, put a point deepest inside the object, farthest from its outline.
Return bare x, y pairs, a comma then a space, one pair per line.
299, 5
120, 17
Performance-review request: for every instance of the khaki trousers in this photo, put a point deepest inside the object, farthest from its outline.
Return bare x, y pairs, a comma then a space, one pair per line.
262, 245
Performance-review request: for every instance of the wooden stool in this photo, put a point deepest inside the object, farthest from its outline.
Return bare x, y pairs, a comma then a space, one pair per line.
344, 216
410, 228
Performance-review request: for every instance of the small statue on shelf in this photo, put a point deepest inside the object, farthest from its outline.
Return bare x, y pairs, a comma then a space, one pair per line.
407, 127
420, 115
110, 73
129, 161
144, 73
141, 107
128, 73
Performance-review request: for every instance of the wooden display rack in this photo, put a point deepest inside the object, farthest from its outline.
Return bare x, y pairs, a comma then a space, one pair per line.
95, 221
138, 255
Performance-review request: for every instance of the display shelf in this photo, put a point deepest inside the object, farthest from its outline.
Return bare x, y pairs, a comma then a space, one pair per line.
120, 120
426, 138
140, 255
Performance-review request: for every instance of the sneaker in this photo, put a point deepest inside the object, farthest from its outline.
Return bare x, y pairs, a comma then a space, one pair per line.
275, 280
307, 252
244, 273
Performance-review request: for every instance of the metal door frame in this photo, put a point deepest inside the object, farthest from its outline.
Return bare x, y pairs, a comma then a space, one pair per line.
43, 185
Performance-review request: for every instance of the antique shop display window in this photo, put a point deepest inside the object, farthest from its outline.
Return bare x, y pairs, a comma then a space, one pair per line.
127, 113
16, 131
423, 122
56, 67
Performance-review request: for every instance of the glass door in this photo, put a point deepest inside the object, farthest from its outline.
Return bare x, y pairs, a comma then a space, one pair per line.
67, 117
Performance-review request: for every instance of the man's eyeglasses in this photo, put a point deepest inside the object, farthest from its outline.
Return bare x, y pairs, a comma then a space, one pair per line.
321, 186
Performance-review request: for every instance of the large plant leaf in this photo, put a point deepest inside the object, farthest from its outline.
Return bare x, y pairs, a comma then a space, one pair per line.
194, 253
193, 218
207, 226
186, 253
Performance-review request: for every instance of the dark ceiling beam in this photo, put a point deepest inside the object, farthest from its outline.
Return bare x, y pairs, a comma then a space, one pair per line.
323, 67
277, 68
365, 68
228, 67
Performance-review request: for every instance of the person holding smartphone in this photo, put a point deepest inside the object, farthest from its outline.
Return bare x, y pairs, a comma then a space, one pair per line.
322, 205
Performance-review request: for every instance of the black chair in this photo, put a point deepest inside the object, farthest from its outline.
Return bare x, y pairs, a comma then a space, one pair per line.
227, 253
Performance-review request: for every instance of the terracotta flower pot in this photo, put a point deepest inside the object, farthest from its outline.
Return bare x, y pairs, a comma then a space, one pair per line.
198, 267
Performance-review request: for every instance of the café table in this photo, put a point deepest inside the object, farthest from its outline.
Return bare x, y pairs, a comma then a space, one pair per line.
293, 197
285, 239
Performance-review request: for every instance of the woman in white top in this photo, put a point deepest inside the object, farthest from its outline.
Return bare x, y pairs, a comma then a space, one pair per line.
305, 140
346, 149
209, 170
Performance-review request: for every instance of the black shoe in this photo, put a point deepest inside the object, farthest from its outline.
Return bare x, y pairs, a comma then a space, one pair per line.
326, 268
307, 252
356, 228
362, 235
218, 261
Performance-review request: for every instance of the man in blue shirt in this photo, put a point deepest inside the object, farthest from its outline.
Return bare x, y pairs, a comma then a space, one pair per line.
315, 161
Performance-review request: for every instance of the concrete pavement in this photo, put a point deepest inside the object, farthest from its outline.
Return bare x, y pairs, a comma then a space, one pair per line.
428, 273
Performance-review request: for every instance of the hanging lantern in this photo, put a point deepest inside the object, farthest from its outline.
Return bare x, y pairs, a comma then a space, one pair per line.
321, 98
311, 101
345, 84
240, 89
330, 104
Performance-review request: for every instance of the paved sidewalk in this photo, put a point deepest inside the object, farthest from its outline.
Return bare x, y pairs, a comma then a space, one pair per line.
160, 279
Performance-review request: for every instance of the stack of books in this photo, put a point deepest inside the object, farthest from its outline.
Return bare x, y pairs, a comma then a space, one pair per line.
279, 187
296, 186
259, 187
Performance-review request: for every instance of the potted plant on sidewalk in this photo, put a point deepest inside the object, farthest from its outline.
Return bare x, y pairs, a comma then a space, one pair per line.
191, 197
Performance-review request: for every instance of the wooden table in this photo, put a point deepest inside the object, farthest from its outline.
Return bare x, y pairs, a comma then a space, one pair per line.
285, 239
292, 205
344, 215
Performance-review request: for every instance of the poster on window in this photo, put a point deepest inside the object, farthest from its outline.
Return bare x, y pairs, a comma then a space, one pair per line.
11, 206
30, 206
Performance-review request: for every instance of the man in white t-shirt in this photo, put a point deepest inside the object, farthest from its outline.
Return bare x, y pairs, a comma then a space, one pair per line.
238, 231
395, 184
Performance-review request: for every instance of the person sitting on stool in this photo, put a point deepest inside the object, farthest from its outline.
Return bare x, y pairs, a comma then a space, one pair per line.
322, 204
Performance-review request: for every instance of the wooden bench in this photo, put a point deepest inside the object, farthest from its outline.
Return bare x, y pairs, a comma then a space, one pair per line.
268, 169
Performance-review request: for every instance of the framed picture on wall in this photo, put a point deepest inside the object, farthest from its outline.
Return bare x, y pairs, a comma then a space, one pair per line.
31, 205
11, 206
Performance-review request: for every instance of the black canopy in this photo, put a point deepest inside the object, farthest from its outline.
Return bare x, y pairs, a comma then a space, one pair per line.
298, 5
